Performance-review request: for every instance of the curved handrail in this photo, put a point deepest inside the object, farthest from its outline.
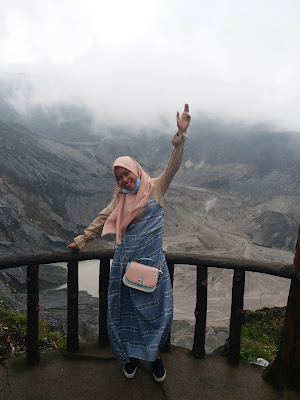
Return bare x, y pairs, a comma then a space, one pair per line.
283, 270
203, 262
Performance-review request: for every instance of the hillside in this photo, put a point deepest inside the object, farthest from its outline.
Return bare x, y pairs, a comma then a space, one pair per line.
222, 201
228, 194
45, 189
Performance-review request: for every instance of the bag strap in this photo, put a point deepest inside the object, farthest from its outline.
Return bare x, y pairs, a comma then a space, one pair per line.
140, 259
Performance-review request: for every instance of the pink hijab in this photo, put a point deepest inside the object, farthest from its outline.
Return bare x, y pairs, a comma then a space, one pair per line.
130, 203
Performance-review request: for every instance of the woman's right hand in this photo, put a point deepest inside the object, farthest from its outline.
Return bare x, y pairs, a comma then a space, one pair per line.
184, 120
73, 246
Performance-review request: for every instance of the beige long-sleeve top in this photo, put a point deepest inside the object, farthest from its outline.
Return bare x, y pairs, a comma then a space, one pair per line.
160, 187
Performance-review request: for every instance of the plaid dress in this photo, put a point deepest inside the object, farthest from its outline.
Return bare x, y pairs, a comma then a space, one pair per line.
139, 322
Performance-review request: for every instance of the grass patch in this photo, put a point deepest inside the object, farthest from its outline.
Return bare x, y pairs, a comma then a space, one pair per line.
13, 330
261, 334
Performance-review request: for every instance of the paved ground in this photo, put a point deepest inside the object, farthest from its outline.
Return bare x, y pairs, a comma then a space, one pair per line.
94, 374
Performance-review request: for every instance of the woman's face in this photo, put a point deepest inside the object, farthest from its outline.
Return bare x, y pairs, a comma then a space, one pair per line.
125, 178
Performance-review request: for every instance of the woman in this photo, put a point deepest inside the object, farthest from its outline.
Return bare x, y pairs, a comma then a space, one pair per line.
138, 322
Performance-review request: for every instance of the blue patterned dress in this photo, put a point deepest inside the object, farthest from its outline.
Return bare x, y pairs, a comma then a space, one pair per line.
139, 322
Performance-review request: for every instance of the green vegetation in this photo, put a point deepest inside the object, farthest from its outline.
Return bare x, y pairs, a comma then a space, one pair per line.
261, 334
13, 328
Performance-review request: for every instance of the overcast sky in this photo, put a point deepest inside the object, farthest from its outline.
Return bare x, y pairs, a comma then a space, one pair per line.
138, 61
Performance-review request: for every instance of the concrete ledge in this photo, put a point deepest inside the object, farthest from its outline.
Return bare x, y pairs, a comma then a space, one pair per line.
93, 373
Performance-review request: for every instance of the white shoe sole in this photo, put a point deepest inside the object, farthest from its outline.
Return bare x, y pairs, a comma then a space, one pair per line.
160, 379
129, 376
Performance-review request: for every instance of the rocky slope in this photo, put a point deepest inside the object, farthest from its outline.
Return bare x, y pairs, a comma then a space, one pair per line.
236, 193
227, 187
45, 189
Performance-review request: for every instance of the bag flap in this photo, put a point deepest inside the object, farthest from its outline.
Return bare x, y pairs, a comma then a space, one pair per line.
142, 274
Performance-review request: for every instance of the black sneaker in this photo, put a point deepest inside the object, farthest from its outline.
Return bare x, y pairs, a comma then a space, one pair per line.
158, 369
130, 368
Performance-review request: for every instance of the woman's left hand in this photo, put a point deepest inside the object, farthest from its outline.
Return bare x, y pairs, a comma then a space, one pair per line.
73, 246
183, 122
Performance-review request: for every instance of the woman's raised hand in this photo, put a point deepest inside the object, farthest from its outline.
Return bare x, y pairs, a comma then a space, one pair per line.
73, 246
183, 122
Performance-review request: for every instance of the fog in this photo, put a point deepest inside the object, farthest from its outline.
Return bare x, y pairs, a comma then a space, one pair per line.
137, 62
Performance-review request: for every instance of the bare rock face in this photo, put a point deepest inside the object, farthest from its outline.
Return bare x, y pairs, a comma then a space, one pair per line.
227, 185
45, 191
231, 196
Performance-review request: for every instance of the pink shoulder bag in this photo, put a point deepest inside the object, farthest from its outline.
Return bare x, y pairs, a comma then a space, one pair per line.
140, 276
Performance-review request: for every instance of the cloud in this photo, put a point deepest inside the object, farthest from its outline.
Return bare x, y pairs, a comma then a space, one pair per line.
133, 61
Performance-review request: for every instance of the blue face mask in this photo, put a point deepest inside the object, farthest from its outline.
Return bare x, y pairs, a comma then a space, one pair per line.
138, 181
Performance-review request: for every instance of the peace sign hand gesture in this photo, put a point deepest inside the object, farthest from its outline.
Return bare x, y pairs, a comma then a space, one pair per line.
183, 122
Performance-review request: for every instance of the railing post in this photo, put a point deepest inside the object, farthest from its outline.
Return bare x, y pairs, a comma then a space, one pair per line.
32, 339
285, 369
237, 304
167, 345
72, 335
104, 272
200, 313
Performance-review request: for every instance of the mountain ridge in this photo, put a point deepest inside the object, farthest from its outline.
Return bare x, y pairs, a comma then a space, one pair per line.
225, 183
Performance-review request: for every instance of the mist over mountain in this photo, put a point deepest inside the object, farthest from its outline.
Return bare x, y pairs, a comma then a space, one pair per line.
92, 89
236, 194
235, 180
